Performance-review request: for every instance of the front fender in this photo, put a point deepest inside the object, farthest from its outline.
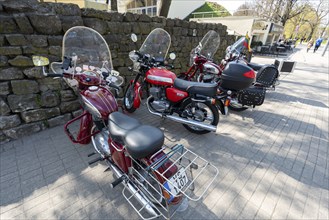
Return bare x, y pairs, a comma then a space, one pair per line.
138, 93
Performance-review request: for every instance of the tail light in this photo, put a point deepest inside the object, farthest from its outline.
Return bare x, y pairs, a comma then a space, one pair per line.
250, 74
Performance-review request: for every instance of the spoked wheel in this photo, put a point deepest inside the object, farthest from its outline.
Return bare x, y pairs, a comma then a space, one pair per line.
202, 112
128, 99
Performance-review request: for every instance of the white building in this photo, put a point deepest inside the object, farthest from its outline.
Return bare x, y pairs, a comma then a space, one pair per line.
258, 29
178, 8
182, 8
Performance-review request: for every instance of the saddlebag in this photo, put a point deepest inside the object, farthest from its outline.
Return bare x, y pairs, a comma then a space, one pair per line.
267, 75
252, 96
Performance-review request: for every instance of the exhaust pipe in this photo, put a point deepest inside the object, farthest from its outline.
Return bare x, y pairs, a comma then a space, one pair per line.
141, 198
180, 119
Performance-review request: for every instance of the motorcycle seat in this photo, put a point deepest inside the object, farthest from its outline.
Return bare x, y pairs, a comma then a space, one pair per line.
143, 141
206, 89
139, 140
255, 66
119, 125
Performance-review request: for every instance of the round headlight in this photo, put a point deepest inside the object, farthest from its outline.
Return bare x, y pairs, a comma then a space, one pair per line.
133, 56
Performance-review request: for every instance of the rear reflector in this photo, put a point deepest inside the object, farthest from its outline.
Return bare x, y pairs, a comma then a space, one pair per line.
251, 74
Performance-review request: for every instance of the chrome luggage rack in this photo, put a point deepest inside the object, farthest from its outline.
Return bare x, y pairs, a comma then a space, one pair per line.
190, 180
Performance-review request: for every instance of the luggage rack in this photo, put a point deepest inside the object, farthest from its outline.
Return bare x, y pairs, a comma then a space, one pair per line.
184, 176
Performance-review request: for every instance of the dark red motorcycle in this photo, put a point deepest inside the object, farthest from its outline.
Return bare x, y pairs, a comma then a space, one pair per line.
190, 103
157, 180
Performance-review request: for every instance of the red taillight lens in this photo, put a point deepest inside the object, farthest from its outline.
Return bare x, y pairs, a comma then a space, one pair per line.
251, 74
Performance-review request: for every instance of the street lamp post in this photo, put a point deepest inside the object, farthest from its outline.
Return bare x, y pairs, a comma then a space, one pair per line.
325, 48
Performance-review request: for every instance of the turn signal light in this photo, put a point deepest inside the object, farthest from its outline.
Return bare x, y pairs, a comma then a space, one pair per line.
251, 74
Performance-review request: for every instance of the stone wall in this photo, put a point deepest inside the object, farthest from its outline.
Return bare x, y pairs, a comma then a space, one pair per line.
29, 102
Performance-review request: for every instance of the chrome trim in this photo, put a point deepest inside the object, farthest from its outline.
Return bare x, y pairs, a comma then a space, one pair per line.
181, 120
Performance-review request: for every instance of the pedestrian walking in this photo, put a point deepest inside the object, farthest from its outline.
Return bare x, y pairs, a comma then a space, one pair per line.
317, 44
309, 45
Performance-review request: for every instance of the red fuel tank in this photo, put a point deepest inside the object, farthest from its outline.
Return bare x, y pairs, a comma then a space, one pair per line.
98, 101
160, 76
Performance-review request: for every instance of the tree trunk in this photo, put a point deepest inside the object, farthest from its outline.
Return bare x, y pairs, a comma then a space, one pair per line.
164, 10
114, 5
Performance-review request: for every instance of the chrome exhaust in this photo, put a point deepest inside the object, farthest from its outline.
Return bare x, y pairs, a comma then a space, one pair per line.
141, 198
180, 119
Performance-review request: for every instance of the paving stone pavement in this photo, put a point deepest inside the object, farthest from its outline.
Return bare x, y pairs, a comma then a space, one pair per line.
273, 161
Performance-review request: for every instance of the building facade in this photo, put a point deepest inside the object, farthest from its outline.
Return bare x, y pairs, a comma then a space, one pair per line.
258, 29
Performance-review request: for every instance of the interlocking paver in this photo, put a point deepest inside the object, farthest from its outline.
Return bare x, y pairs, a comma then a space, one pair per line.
273, 161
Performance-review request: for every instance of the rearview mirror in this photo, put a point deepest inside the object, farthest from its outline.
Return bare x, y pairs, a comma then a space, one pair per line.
172, 56
133, 37
40, 61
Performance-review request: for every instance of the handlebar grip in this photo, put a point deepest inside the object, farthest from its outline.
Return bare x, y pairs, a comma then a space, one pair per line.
170, 66
138, 53
114, 86
54, 75
66, 63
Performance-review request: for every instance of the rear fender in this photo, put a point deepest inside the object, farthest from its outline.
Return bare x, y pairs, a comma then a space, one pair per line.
220, 106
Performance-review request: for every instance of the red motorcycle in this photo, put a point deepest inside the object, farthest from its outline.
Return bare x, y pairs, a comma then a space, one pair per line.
192, 102
157, 180
202, 67
239, 86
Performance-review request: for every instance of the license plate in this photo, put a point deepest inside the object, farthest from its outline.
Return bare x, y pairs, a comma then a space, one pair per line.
177, 182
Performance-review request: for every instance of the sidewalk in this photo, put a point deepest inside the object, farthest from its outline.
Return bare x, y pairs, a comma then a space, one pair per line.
273, 161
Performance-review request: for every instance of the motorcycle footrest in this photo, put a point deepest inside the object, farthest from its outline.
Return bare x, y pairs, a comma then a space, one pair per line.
117, 181
95, 160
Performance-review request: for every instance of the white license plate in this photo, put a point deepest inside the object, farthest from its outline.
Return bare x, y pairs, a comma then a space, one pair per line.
177, 182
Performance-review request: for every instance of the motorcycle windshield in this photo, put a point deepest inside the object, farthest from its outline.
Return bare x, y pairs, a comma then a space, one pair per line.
239, 45
156, 44
88, 48
209, 44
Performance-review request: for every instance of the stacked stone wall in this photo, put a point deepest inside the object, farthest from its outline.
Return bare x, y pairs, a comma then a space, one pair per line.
29, 102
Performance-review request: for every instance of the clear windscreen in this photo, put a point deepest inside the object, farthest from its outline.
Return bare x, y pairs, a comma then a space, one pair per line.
87, 47
238, 46
156, 44
208, 45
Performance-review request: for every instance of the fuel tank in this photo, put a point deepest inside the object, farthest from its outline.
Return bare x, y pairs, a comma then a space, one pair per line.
98, 101
211, 68
160, 76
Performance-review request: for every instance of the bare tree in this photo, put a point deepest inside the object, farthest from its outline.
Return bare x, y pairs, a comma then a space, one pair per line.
319, 12
114, 4
245, 10
279, 10
164, 9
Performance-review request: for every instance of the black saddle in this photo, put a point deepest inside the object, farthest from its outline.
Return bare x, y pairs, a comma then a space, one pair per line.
140, 140
255, 66
206, 89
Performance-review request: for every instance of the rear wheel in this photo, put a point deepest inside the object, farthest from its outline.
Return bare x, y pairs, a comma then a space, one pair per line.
201, 112
128, 99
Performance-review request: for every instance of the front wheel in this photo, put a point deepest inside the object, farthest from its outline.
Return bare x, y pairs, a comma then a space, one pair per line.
128, 99
201, 112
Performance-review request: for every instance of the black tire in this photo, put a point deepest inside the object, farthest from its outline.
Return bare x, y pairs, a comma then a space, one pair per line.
237, 108
212, 109
128, 99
